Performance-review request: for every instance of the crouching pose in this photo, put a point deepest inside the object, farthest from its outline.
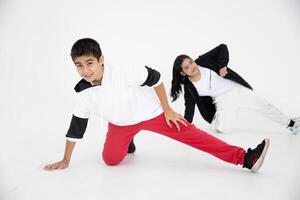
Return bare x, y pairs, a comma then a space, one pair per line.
127, 98
219, 92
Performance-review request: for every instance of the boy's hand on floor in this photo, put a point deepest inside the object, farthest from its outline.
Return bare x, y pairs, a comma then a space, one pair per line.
58, 165
175, 117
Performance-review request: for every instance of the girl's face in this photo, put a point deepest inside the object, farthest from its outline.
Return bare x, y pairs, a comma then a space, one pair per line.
89, 68
189, 67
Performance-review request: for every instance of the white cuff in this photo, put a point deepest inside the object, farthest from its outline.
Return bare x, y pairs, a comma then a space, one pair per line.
158, 82
73, 139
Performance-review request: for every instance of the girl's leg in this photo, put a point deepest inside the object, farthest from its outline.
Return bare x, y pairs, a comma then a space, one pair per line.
116, 144
240, 98
226, 111
225, 118
196, 138
250, 100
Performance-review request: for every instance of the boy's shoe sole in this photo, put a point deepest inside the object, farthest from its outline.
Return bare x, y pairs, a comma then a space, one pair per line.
261, 159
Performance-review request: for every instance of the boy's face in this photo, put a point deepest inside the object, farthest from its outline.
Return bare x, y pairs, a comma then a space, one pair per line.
189, 67
89, 68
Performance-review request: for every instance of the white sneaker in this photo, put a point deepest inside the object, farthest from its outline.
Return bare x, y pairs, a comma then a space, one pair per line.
296, 128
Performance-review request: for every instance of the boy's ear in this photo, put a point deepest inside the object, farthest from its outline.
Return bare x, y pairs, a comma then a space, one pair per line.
101, 60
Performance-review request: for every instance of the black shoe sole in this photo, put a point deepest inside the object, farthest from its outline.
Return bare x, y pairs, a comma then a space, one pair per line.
261, 159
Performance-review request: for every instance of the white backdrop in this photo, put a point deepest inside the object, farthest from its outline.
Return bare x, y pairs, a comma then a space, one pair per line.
37, 79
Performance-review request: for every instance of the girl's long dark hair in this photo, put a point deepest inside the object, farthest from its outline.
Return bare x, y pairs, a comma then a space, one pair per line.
177, 79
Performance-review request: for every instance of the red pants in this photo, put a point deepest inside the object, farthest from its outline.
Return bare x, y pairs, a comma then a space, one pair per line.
119, 137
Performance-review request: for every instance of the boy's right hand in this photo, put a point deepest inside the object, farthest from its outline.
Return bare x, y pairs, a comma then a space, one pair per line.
58, 165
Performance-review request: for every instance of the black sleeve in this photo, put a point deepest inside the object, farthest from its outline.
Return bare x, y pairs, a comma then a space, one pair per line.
77, 127
152, 78
189, 105
219, 56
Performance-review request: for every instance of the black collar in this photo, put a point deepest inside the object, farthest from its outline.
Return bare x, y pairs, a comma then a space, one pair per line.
82, 85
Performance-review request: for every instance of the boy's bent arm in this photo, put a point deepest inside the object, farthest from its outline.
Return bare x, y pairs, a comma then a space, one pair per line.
170, 114
64, 163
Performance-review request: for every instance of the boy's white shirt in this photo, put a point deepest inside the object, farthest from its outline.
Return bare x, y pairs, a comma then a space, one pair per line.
120, 99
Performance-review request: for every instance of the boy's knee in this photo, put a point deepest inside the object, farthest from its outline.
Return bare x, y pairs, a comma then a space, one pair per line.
112, 160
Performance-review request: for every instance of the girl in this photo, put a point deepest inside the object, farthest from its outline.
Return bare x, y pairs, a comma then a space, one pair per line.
219, 92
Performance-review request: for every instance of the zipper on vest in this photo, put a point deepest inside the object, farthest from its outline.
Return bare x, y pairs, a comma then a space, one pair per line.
209, 79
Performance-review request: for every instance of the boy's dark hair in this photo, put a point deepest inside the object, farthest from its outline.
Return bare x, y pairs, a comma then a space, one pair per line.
86, 47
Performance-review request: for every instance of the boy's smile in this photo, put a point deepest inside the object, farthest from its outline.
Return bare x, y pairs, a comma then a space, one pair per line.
90, 69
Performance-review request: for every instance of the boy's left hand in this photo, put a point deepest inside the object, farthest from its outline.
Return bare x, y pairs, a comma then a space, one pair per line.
171, 115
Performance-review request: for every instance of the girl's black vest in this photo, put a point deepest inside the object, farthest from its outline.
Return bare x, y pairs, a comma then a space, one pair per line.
215, 59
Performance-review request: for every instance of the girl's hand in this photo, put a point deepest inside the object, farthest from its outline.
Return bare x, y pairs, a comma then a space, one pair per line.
223, 71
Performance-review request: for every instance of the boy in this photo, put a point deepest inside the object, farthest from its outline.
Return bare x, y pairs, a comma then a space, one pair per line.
120, 96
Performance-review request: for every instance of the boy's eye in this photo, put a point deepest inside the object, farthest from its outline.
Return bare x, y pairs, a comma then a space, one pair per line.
78, 65
89, 63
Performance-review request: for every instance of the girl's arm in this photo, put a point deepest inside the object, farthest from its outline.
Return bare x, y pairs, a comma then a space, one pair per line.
218, 57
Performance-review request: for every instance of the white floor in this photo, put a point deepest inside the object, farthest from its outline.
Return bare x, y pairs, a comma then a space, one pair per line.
37, 78
160, 169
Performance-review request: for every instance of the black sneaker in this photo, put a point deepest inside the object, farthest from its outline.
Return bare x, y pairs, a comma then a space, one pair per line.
295, 128
131, 147
254, 158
